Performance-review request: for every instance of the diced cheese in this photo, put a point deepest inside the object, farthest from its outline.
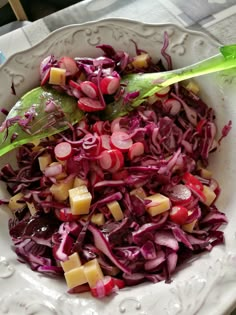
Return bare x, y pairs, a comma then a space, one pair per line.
188, 227
81, 189
44, 161
14, 204
75, 277
115, 210
60, 190
71, 263
93, 272
31, 207
98, 219
139, 192
57, 76
193, 87
79, 202
79, 182
209, 195
159, 203
141, 61
205, 173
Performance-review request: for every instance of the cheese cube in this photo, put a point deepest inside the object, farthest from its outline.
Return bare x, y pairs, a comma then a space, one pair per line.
115, 210
31, 208
79, 182
71, 263
44, 161
60, 190
141, 61
205, 173
98, 219
193, 87
188, 227
139, 192
209, 195
57, 76
159, 203
79, 202
14, 204
81, 189
75, 277
93, 272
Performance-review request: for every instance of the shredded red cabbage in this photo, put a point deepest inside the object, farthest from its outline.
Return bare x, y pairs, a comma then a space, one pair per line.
140, 246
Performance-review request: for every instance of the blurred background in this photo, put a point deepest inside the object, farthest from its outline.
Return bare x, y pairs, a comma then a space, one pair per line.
34, 10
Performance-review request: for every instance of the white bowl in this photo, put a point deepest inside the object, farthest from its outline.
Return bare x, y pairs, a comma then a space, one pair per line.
205, 286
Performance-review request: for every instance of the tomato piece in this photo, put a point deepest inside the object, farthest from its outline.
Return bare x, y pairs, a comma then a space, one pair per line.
179, 214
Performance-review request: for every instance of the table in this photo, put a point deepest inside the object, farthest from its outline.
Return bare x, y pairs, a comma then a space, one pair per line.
217, 18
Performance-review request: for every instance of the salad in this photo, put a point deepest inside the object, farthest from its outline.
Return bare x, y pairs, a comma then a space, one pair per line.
114, 203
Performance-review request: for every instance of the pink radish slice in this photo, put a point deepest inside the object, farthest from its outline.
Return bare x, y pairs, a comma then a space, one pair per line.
108, 159
98, 127
121, 140
69, 64
53, 170
63, 150
163, 92
75, 85
109, 85
105, 142
180, 195
89, 88
136, 149
173, 106
115, 125
119, 162
45, 77
88, 105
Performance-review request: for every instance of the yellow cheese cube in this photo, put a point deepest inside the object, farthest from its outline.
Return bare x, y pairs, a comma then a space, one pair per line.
139, 192
98, 219
75, 277
71, 263
31, 208
60, 190
44, 161
93, 272
79, 202
188, 227
57, 76
115, 210
81, 189
193, 87
205, 173
159, 203
79, 182
141, 61
209, 195
14, 204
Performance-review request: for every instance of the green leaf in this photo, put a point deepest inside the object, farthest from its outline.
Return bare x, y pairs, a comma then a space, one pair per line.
44, 123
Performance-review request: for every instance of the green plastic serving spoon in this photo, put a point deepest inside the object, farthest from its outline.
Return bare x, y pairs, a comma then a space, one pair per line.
28, 120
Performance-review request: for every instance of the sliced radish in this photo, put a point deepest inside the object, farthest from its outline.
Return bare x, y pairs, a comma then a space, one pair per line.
89, 88
69, 64
200, 125
108, 159
98, 127
103, 287
45, 77
179, 214
53, 170
105, 142
88, 105
173, 106
180, 195
82, 128
135, 150
121, 140
163, 92
193, 181
119, 162
63, 150
109, 85
119, 283
75, 85
115, 125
